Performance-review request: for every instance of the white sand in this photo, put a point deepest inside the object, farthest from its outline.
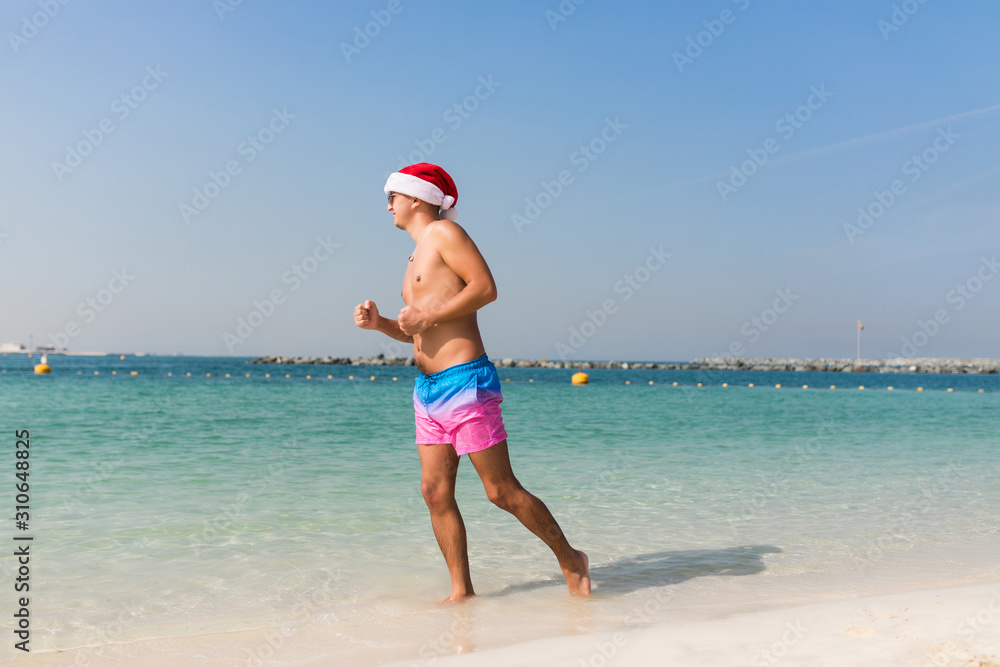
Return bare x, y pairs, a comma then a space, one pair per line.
956, 626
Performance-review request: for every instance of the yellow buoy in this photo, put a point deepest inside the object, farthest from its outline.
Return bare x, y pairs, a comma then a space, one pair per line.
861, 387
777, 386
42, 369
888, 388
308, 377
628, 382
114, 372
650, 382
699, 384
920, 388
950, 389
982, 391
394, 379
350, 377
227, 374
372, 377
578, 378
750, 385
833, 386
267, 375
134, 373
675, 384
805, 386
531, 379
328, 377
725, 384
122, 357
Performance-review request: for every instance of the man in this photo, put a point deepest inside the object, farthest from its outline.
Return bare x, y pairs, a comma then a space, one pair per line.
456, 397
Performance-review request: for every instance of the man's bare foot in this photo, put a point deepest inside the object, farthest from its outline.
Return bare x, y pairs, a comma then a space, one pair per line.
578, 578
459, 596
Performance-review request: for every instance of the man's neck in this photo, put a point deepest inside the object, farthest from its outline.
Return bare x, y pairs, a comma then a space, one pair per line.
419, 226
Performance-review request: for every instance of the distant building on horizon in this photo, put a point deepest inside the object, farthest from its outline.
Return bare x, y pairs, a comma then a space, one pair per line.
12, 347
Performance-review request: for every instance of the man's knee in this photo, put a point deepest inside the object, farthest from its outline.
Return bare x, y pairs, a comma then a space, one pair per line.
503, 496
437, 495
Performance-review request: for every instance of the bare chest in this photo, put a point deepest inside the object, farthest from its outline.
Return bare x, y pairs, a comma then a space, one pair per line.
428, 281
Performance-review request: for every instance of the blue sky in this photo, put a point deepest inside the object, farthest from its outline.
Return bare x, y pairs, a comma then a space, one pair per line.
739, 138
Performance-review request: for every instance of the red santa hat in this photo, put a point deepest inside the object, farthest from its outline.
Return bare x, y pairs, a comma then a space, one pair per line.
427, 182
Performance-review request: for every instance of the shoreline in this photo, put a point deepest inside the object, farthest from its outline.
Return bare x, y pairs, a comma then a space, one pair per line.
931, 365
957, 625
951, 623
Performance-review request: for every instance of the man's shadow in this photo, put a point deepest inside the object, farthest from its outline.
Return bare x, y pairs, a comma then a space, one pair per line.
664, 568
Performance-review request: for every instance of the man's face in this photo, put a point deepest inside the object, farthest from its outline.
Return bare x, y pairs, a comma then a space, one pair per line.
401, 207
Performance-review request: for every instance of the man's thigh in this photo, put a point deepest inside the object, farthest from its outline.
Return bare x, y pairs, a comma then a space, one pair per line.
438, 464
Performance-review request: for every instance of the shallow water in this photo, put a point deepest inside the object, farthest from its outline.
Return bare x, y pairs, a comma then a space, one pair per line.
185, 505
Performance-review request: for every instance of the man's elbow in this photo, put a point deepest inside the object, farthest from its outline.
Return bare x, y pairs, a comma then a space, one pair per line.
490, 293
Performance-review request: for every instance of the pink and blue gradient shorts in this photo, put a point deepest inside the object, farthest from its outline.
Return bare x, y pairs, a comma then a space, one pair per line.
461, 406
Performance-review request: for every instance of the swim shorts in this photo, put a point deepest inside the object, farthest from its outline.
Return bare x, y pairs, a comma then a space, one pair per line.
460, 405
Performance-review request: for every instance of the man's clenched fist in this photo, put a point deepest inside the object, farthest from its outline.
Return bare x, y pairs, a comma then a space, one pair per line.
366, 315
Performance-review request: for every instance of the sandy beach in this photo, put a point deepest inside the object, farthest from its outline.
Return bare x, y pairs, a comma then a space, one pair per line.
957, 625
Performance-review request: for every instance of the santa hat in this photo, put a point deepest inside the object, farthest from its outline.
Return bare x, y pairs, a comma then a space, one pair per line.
427, 182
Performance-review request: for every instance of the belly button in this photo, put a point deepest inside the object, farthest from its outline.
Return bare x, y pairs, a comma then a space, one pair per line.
418, 279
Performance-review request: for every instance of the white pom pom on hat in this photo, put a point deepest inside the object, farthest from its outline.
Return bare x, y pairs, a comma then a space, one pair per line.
427, 182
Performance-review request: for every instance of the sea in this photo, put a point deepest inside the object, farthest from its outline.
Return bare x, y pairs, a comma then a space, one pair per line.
193, 498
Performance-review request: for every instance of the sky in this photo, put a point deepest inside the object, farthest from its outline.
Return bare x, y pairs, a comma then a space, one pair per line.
647, 180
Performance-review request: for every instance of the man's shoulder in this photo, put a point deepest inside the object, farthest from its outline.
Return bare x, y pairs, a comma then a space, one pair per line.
449, 231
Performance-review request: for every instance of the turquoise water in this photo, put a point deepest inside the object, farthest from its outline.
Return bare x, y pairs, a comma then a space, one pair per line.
175, 505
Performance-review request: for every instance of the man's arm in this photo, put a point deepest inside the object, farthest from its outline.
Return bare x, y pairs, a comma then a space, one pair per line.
391, 329
366, 316
462, 256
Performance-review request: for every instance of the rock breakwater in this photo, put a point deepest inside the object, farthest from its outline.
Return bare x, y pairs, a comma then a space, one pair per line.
921, 365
